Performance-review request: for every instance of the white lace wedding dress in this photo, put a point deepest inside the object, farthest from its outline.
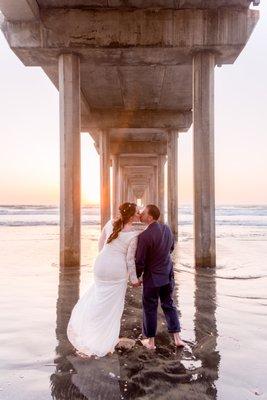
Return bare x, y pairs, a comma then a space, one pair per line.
94, 325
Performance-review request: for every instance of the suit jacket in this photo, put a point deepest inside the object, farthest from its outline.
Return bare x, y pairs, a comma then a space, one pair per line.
153, 255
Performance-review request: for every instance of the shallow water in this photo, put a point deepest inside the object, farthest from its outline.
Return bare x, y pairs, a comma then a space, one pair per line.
222, 311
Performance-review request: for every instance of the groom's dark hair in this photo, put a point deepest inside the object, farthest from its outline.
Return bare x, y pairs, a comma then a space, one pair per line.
153, 211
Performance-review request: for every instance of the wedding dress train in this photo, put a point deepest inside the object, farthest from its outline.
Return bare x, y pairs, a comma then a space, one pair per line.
94, 325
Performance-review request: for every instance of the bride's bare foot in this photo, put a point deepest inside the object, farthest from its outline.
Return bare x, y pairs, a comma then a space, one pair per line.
178, 341
149, 343
81, 354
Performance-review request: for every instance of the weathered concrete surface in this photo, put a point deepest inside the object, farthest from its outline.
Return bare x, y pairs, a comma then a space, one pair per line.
70, 174
140, 147
119, 118
21, 10
161, 185
121, 28
204, 196
135, 62
172, 151
172, 4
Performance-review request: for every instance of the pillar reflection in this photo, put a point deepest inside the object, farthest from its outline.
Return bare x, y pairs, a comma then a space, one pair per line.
205, 327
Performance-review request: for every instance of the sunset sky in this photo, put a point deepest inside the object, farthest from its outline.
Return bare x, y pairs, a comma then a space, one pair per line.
29, 150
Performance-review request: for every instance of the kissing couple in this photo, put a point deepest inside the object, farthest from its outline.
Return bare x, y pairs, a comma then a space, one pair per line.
125, 252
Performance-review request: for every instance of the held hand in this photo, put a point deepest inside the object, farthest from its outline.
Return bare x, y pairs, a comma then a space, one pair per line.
137, 284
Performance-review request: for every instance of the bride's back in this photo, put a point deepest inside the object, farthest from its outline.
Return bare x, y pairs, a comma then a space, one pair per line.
110, 263
119, 244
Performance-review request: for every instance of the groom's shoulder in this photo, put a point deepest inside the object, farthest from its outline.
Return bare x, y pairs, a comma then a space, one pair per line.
143, 231
166, 226
168, 229
165, 229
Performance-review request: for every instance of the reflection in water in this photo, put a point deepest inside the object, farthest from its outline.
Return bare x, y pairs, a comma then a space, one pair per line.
138, 373
68, 294
205, 327
75, 377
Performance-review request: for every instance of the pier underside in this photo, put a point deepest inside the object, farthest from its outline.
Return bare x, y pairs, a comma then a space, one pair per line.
134, 76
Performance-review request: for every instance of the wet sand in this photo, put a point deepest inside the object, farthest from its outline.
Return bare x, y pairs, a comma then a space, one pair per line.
222, 312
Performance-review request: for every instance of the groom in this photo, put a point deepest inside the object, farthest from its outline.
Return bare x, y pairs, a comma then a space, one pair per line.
153, 261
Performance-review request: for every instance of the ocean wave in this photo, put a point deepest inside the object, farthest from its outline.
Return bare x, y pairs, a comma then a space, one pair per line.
42, 210
190, 269
14, 222
243, 216
42, 223
185, 209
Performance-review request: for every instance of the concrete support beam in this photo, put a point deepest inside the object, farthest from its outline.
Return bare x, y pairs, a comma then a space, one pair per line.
20, 10
137, 161
116, 31
158, 119
161, 186
172, 148
70, 180
137, 147
104, 176
204, 198
155, 185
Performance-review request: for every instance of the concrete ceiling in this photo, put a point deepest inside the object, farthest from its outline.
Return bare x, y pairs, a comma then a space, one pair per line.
134, 135
136, 65
142, 87
167, 4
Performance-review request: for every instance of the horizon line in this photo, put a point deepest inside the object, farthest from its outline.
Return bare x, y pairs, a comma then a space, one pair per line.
98, 204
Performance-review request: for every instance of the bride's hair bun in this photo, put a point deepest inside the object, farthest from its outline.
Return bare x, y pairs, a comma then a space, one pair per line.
127, 210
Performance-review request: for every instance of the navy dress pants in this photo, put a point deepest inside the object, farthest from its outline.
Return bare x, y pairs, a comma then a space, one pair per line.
151, 296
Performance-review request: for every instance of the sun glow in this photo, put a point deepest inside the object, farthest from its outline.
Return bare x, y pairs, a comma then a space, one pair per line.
90, 171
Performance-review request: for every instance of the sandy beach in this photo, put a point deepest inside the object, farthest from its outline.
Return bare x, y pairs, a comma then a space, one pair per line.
222, 312
108, 107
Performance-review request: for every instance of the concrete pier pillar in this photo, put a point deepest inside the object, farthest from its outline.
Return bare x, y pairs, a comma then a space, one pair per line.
203, 120
115, 185
70, 169
161, 183
155, 185
104, 152
172, 152
123, 185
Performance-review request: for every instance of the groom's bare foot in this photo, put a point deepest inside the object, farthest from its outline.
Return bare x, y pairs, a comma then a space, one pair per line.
149, 343
178, 341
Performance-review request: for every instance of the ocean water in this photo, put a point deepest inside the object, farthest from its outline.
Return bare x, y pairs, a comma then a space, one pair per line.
223, 314
253, 216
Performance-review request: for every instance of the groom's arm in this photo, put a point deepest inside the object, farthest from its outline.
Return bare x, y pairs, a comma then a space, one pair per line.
140, 255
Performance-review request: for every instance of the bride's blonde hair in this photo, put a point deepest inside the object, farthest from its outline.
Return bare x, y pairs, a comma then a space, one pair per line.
127, 210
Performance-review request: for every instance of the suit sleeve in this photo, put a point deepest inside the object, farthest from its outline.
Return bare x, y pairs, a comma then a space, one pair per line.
140, 255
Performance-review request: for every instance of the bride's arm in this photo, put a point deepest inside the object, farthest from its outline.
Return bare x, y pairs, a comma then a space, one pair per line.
130, 260
103, 236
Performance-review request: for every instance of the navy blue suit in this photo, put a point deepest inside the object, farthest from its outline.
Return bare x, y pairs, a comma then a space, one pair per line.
153, 260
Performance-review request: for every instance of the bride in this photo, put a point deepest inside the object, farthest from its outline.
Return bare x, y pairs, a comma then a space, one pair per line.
94, 325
